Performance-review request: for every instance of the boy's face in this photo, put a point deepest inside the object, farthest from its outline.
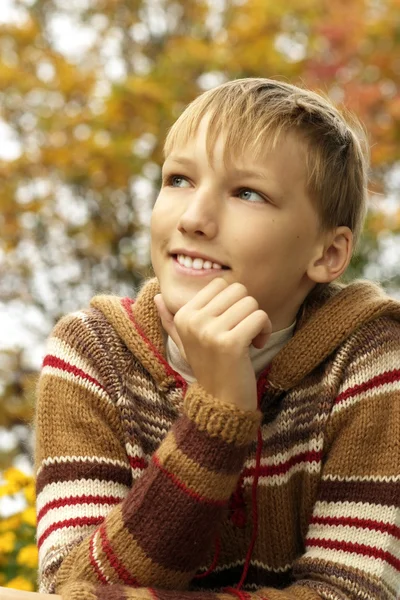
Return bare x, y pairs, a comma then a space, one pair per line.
253, 217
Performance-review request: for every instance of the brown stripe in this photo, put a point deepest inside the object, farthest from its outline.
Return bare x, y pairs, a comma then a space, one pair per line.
79, 469
283, 443
113, 592
341, 573
205, 482
168, 524
211, 452
231, 576
120, 548
373, 492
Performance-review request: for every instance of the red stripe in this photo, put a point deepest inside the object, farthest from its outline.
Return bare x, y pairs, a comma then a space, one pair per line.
94, 563
58, 363
387, 377
356, 549
127, 304
74, 500
117, 565
153, 593
77, 522
389, 528
270, 470
137, 463
184, 488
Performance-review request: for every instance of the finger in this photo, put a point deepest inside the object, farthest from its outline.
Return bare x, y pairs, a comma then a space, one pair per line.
203, 297
232, 296
167, 321
233, 306
254, 328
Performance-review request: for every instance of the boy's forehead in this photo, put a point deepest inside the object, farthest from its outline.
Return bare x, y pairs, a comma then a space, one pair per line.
234, 152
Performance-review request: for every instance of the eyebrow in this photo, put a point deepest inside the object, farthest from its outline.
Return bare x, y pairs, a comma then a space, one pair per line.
181, 159
238, 172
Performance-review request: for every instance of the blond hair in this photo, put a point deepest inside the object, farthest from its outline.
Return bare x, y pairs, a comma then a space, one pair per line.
253, 113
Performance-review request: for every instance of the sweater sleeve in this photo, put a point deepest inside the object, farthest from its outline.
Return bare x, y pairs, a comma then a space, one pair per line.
98, 520
352, 548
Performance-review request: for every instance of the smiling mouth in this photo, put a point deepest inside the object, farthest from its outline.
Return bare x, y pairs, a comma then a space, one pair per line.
198, 264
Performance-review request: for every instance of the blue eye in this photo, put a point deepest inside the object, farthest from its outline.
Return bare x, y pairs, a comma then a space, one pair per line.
178, 181
250, 195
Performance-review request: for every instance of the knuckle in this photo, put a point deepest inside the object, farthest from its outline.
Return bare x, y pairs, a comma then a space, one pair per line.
225, 344
207, 337
240, 288
252, 302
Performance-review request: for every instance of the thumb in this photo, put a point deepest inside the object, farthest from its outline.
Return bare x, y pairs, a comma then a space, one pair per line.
167, 321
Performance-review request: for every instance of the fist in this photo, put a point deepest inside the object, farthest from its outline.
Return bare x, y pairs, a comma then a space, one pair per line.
214, 332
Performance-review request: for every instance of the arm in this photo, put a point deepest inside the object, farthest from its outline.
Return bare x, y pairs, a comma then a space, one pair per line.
94, 523
352, 548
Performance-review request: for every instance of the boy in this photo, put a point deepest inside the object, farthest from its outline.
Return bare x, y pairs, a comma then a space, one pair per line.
235, 430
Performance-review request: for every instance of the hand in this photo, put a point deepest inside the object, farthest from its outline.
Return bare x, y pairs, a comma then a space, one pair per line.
213, 332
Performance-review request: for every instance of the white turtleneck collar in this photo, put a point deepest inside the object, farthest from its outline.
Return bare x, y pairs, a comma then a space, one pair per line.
260, 357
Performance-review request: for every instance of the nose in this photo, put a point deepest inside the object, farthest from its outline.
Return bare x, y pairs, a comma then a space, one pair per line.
201, 215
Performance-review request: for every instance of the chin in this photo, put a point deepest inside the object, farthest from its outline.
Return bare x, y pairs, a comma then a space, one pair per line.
174, 299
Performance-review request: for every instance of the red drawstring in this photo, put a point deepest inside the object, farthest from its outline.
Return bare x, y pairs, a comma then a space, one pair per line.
261, 385
237, 505
214, 562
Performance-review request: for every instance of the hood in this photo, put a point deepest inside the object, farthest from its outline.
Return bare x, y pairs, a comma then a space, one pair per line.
326, 319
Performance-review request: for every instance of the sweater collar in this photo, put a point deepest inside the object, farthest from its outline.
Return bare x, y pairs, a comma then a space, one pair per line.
328, 317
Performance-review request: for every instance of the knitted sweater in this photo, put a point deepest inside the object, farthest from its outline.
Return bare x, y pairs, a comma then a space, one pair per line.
150, 488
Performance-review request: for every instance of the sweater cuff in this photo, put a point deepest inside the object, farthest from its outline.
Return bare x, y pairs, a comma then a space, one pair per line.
220, 419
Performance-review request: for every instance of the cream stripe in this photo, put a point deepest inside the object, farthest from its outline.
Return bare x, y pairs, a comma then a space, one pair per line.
60, 349
356, 510
74, 511
373, 369
135, 451
79, 487
387, 388
272, 480
286, 420
64, 538
372, 478
58, 460
96, 556
312, 445
71, 378
356, 535
257, 563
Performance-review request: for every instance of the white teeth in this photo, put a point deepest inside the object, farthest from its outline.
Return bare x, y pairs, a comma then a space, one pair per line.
196, 263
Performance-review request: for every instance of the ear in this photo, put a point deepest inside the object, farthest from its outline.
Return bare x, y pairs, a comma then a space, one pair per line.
333, 257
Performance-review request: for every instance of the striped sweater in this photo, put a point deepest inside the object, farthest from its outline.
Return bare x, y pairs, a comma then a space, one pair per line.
150, 488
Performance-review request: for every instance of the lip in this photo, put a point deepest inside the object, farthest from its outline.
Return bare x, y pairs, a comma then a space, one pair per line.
193, 254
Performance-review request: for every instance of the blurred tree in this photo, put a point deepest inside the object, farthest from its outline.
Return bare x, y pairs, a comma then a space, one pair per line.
88, 90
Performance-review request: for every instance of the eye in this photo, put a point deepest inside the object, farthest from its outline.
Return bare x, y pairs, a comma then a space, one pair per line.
178, 181
250, 195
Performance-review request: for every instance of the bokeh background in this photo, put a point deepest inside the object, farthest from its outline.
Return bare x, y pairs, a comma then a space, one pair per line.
88, 89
